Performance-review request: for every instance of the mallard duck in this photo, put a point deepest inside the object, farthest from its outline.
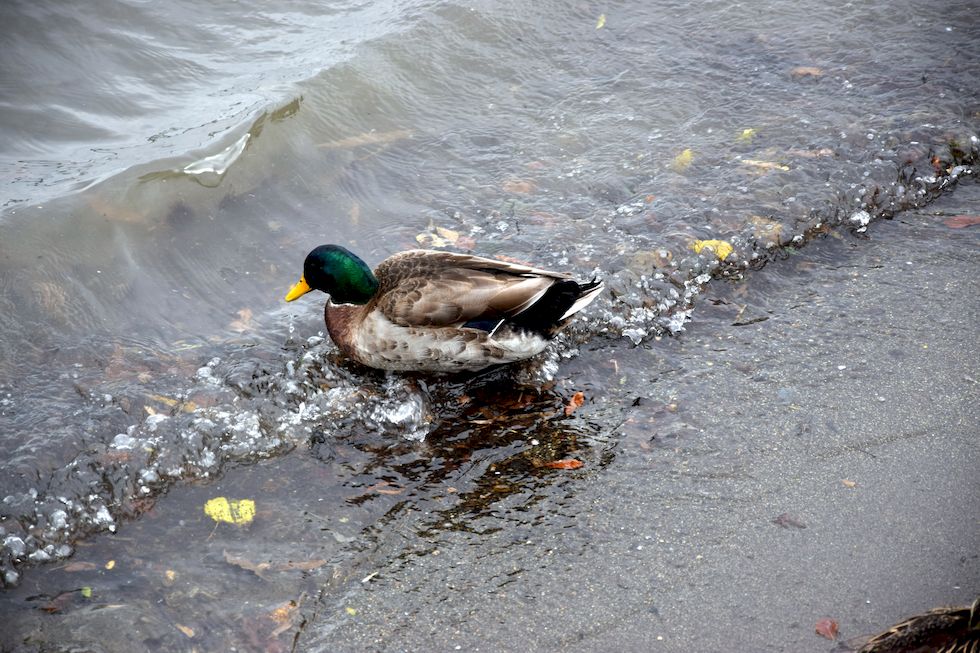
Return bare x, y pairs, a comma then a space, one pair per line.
429, 311
941, 630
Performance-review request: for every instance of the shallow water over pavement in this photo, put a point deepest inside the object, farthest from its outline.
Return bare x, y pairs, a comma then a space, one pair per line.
145, 345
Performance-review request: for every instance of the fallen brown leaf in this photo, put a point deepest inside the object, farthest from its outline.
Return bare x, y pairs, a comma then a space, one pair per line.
787, 520
827, 628
384, 487
520, 186
283, 614
305, 565
79, 566
187, 630
567, 463
575, 403
961, 221
244, 321
806, 71
240, 561
848, 483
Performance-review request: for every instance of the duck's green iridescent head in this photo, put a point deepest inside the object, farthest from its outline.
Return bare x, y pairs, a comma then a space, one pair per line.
337, 272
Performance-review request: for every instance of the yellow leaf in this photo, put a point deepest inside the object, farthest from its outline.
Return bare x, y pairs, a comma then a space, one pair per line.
721, 248
601, 22
109, 565
169, 576
765, 165
164, 400
682, 160
806, 71
746, 136
187, 630
284, 613
240, 511
87, 592
448, 234
244, 321
437, 236
351, 611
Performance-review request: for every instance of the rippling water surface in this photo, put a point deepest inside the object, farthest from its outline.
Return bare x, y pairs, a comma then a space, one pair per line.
168, 165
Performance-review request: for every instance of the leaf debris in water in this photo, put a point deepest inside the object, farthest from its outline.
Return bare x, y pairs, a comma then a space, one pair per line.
682, 160
806, 71
746, 136
435, 236
961, 221
236, 511
721, 248
567, 463
601, 22
187, 630
575, 403
765, 165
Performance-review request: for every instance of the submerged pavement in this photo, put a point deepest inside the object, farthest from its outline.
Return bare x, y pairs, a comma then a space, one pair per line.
805, 450
815, 458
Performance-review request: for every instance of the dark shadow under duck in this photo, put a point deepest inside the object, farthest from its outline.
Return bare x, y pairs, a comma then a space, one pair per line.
430, 311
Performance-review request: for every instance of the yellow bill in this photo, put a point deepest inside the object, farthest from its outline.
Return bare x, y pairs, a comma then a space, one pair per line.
298, 290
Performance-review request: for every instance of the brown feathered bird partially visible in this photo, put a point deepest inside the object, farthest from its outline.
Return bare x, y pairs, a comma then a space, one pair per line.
942, 630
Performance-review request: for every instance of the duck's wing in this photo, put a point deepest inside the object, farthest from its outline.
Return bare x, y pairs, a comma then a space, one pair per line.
441, 289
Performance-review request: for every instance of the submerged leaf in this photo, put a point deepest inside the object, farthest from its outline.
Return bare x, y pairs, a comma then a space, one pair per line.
682, 160
601, 22
244, 321
236, 511
765, 165
721, 248
435, 236
246, 564
961, 221
746, 136
520, 186
806, 71
79, 566
574, 403
567, 463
